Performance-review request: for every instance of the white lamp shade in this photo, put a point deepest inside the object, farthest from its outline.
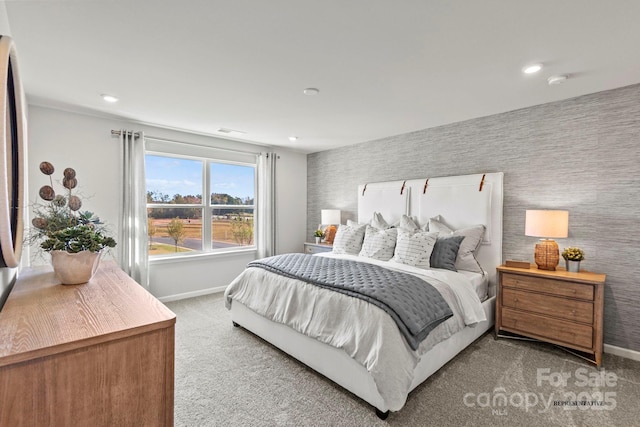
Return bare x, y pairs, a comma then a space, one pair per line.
330, 216
547, 224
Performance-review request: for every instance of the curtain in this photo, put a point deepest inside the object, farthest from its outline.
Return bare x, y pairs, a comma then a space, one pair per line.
266, 214
133, 237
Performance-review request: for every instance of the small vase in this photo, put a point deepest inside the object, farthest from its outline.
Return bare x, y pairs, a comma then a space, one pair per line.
317, 240
572, 266
74, 269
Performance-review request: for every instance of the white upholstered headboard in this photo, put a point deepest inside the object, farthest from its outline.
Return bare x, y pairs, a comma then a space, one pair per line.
462, 201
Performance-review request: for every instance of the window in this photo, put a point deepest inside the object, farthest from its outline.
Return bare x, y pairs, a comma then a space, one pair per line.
181, 221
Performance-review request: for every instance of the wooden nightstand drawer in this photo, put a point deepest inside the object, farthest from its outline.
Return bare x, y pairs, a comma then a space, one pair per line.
561, 331
550, 286
559, 307
570, 309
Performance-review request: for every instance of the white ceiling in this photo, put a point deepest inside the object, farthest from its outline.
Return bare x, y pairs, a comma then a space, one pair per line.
383, 67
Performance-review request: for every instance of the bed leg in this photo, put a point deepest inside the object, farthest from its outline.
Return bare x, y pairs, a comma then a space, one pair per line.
235, 324
382, 415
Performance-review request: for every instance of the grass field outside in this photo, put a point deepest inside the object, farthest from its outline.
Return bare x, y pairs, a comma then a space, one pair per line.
221, 230
163, 248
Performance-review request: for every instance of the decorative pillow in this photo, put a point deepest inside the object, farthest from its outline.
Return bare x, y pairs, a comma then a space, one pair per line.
445, 252
379, 244
472, 239
414, 248
378, 222
408, 223
348, 239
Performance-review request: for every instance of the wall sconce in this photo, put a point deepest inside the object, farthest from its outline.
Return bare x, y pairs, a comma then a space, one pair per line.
547, 224
330, 217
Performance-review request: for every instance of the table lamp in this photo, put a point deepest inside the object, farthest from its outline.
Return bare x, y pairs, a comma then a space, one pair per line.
330, 217
547, 224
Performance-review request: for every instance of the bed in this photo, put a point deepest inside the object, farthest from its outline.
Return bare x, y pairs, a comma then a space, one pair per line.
356, 344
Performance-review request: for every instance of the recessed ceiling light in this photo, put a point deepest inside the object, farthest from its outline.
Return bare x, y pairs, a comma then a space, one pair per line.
293, 138
311, 91
533, 68
556, 80
109, 98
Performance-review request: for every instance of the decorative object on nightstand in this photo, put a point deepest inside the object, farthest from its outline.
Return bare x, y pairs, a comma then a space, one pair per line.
572, 257
330, 218
318, 234
547, 224
565, 309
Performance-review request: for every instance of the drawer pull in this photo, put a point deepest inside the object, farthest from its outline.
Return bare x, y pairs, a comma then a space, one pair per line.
515, 300
573, 312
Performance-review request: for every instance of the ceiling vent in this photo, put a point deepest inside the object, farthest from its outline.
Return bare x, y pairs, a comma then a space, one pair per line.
229, 131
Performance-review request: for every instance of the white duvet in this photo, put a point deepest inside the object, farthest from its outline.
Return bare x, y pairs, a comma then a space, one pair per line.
365, 332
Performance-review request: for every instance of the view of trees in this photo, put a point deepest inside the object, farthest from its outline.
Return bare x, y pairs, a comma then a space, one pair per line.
242, 230
176, 231
195, 212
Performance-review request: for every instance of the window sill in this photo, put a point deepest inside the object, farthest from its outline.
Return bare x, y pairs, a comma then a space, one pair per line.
201, 256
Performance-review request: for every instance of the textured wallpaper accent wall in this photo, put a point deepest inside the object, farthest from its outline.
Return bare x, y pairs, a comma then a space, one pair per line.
581, 154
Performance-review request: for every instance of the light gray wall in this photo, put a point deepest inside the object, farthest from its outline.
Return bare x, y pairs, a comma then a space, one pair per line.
580, 154
85, 143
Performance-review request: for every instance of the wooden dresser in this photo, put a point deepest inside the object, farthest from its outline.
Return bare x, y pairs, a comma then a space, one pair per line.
553, 306
98, 354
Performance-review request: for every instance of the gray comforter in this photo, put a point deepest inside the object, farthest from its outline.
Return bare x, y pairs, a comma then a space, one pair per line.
415, 305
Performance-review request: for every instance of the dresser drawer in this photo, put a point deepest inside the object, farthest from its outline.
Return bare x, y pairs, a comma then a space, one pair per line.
561, 331
570, 309
550, 286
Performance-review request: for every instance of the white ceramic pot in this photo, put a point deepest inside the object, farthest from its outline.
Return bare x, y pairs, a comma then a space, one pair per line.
74, 269
317, 240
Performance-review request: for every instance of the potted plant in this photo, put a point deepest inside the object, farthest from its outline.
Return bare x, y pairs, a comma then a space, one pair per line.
572, 257
74, 239
318, 234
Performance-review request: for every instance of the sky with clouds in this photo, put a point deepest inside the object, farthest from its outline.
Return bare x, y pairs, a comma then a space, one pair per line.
170, 175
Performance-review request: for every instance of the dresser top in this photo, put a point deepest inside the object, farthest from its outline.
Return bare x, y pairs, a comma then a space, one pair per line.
582, 276
41, 317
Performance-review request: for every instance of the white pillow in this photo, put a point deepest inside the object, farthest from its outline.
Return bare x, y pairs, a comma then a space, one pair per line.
414, 247
379, 244
472, 239
408, 223
378, 222
348, 239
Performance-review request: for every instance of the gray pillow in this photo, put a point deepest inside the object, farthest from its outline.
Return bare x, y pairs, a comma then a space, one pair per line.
466, 253
445, 252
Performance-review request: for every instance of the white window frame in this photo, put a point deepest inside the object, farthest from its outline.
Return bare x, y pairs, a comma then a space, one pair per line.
207, 207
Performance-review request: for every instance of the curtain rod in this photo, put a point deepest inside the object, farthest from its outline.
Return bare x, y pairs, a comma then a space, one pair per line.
137, 135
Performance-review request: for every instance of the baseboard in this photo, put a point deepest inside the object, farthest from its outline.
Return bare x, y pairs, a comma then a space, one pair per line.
622, 352
193, 294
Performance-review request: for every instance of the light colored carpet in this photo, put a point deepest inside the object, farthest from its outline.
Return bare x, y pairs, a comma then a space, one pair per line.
228, 376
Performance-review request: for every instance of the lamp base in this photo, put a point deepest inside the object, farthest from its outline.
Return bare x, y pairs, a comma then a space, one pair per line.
330, 234
547, 254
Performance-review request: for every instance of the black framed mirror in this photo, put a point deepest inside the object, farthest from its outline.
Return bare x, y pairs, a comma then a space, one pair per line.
12, 157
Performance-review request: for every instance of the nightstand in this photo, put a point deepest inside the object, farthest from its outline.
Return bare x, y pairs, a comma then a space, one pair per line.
316, 248
552, 306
